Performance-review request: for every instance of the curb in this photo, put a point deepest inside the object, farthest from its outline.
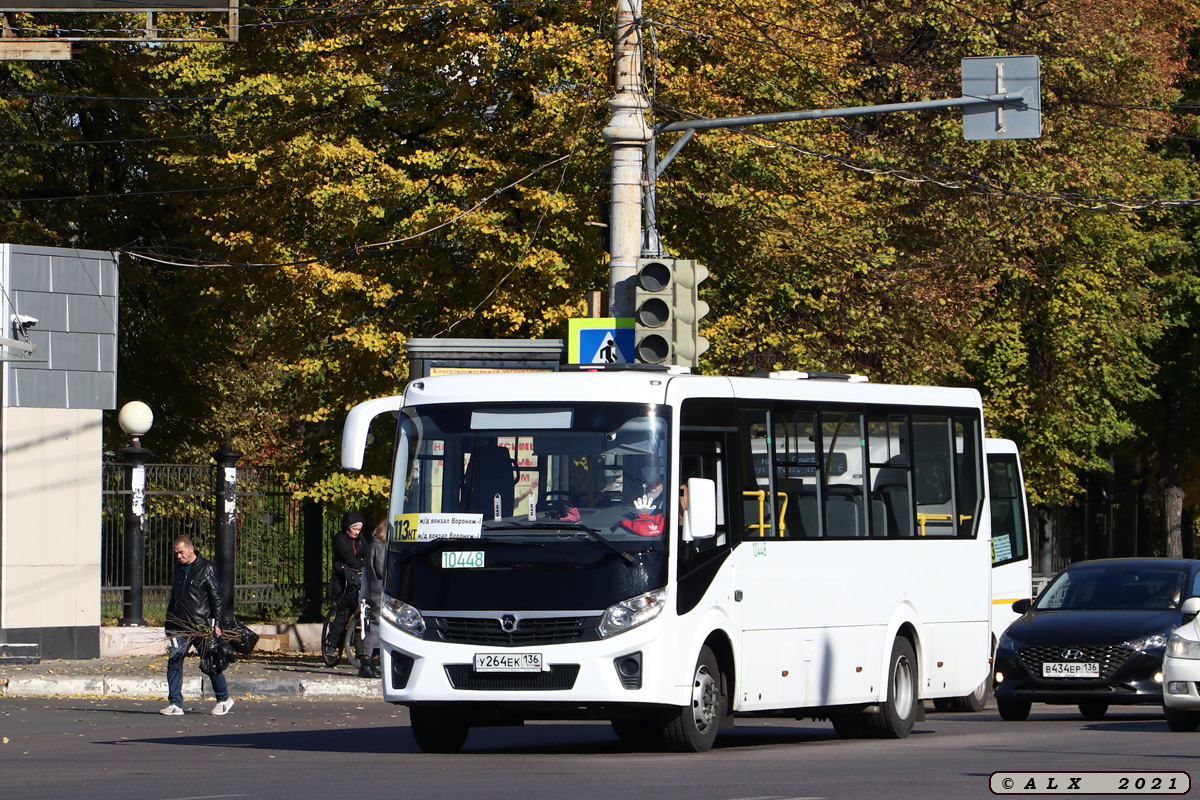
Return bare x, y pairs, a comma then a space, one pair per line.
125, 688
342, 687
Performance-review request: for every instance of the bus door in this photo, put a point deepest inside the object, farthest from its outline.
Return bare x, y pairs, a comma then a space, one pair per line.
779, 470
703, 568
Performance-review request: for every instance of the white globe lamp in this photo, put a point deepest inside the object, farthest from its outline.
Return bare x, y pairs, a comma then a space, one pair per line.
135, 418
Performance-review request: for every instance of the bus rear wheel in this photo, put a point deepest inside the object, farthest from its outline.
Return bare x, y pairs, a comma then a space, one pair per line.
438, 730
976, 701
693, 728
898, 711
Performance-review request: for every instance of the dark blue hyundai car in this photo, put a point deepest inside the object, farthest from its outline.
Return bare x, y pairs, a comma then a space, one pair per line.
1094, 637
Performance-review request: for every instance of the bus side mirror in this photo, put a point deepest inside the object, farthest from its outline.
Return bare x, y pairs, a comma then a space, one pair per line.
700, 518
1022, 605
1191, 607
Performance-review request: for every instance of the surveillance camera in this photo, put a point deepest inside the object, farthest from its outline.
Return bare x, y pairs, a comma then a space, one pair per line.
24, 320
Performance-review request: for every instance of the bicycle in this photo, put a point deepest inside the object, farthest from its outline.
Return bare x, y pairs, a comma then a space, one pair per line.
350, 640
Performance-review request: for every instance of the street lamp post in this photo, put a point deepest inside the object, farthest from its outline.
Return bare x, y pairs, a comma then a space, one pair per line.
226, 521
135, 419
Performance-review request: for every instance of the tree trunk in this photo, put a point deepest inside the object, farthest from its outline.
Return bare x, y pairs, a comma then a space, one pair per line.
1172, 506
1170, 492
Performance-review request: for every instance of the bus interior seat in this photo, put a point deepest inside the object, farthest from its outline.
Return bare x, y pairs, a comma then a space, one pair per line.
894, 498
879, 518
891, 488
842, 516
802, 518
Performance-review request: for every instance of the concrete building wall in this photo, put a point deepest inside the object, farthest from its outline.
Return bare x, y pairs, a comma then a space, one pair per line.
50, 529
51, 445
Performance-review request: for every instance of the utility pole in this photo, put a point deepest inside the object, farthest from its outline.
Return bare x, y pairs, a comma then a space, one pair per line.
627, 133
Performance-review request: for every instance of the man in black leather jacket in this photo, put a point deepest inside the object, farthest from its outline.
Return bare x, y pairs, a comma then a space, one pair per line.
195, 603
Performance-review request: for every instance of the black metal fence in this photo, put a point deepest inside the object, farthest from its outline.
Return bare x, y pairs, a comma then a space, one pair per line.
272, 547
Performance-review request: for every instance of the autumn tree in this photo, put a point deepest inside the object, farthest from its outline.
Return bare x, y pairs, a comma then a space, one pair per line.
293, 207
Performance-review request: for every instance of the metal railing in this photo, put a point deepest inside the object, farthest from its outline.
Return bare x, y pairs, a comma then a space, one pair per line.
179, 499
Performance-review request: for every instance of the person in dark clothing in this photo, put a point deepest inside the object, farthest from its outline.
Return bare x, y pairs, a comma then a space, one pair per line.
195, 604
349, 550
374, 571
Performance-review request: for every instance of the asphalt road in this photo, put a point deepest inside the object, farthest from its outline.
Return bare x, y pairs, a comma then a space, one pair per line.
90, 748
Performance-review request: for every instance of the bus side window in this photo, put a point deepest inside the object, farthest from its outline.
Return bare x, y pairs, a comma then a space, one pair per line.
967, 494
757, 504
843, 474
796, 466
934, 475
891, 476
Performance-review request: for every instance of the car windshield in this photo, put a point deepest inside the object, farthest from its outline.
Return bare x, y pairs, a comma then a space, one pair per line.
1113, 588
593, 472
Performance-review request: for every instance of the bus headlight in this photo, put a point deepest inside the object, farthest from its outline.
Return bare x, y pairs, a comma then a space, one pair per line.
630, 613
403, 616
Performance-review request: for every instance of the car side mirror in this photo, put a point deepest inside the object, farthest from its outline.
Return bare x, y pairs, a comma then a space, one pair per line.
1191, 607
1024, 604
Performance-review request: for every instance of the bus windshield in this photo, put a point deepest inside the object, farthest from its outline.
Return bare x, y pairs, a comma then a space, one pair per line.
595, 471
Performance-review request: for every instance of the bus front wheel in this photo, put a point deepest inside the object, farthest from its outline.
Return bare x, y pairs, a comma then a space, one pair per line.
693, 728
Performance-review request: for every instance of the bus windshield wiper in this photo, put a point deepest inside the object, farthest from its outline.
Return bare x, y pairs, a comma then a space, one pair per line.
424, 547
577, 526
417, 552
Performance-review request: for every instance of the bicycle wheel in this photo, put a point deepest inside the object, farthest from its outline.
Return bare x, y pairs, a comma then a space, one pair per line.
354, 642
329, 654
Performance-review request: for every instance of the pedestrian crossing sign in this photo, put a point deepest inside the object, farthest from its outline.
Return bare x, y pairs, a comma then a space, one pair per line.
604, 340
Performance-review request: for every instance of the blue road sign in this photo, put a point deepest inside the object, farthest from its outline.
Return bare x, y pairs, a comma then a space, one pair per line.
600, 341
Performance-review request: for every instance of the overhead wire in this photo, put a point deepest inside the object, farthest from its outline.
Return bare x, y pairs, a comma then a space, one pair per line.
972, 182
532, 237
340, 15
312, 119
354, 249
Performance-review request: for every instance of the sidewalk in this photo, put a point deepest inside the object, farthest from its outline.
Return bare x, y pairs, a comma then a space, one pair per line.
287, 674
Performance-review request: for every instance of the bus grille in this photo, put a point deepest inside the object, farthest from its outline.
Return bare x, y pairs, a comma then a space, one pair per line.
530, 630
559, 678
1110, 657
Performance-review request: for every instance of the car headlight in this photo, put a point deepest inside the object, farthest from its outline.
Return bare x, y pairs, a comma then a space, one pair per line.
630, 613
1154, 640
1006, 642
1178, 647
403, 616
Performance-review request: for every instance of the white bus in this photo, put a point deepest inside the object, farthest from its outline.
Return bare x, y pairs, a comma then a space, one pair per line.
1012, 568
668, 551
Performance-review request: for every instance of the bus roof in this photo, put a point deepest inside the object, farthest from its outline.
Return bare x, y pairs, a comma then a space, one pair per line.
664, 387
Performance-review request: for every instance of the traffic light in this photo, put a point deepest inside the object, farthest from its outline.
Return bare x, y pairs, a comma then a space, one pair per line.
667, 310
687, 343
652, 310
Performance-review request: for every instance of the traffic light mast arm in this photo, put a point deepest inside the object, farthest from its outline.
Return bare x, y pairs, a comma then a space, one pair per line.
1022, 98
